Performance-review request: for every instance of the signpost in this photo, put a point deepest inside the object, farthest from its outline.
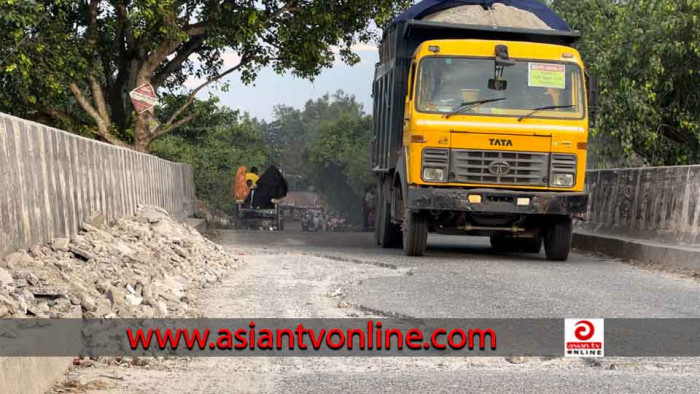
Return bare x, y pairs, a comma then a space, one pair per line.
144, 98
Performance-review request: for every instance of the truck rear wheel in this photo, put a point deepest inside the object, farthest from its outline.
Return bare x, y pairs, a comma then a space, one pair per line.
389, 234
415, 233
379, 216
557, 239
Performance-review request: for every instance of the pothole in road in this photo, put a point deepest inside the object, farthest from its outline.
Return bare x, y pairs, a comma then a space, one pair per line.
356, 260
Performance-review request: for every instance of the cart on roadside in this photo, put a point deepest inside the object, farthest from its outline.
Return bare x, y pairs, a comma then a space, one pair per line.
259, 218
259, 207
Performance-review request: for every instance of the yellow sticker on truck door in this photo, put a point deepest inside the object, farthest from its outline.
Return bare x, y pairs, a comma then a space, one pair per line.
546, 75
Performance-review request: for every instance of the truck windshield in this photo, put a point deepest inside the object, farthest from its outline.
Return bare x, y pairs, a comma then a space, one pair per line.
445, 83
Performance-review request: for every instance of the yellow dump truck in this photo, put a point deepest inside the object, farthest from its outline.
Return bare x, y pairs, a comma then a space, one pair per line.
480, 130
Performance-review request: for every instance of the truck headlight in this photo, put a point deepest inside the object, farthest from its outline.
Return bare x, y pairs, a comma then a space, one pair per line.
563, 180
562, 170
433, 174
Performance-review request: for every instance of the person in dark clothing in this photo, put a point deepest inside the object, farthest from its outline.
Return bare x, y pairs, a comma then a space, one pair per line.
271, 185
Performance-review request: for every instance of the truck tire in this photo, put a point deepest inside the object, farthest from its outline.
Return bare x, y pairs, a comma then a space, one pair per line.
391, 233
557, 239
379, 216
388, 233
415, 233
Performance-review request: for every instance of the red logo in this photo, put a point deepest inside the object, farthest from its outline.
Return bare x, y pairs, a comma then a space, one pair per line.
584, 330
584, 337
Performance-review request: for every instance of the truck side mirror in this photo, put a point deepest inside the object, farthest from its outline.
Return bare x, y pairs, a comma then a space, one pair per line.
592, 88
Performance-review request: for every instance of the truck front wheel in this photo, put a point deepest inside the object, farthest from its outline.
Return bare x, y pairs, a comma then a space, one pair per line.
557, 239
415, 233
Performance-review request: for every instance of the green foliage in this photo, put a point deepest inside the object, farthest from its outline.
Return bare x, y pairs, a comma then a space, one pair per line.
327, 144
34, 68
646, 55
71, 63
215, 146
343, 143
323, 146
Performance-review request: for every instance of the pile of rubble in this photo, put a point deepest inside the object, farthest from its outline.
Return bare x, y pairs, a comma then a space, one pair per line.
138, 267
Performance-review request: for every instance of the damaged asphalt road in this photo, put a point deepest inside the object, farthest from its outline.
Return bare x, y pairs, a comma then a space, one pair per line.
293, 274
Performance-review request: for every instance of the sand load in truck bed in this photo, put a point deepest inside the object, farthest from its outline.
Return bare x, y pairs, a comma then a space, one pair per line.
499, 15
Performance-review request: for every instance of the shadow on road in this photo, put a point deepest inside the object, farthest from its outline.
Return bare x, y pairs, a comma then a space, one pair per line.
439, 246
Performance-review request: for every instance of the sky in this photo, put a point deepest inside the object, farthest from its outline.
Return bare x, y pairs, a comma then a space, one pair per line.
271, 89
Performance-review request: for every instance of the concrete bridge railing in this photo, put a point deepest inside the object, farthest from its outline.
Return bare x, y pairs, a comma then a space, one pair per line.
51, 181
655, 203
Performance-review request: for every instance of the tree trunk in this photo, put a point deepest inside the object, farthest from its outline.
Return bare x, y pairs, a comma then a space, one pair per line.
142, 134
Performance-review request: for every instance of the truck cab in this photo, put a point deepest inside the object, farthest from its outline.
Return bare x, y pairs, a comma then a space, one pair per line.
491, 138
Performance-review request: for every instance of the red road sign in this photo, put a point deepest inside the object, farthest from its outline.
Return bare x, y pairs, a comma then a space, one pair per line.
143, 98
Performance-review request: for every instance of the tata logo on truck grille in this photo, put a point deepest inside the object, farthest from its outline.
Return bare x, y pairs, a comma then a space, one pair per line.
500, 142
499, 168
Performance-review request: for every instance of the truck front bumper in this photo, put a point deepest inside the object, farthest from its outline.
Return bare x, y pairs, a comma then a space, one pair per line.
497, 201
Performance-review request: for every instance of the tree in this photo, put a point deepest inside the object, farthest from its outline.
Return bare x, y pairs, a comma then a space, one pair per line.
328, 144
73, 62
646, 55
286, 137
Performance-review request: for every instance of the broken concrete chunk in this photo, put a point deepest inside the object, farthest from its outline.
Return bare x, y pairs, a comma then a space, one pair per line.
26, 294
153, 216
88, 303
133, 300
115, 295
35, 251
81, 253
60, 244
6, 279
161, 310
49, 291
97, 220
13, 259
5, 311
74, 300
32, 279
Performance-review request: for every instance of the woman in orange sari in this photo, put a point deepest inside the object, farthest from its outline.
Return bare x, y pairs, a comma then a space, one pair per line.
240, 188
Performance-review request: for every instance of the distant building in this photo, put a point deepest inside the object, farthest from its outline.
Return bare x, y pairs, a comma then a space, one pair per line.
296, 202
304, 200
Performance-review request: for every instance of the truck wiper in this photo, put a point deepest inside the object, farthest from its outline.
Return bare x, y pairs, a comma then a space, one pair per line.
471, 104
538, 109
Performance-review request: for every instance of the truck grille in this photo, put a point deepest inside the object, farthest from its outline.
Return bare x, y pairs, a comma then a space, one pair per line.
563, 164
436, 158
498, 167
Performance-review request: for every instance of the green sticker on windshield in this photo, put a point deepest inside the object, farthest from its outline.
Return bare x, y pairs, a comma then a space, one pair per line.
545, 75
